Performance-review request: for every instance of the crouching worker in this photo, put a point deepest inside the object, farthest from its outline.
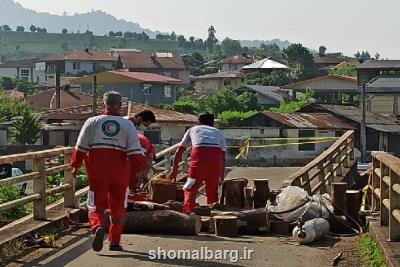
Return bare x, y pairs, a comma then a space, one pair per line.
109, 146
207, 162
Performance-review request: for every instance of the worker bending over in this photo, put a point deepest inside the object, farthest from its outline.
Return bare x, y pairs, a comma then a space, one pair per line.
207, 161
109, 146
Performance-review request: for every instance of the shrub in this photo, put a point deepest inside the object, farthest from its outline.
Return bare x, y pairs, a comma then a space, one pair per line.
233, 118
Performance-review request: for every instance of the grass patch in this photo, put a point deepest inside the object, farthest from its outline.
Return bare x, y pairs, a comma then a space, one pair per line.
371, 252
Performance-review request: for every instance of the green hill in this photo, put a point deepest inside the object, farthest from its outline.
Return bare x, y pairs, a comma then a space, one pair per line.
21, 45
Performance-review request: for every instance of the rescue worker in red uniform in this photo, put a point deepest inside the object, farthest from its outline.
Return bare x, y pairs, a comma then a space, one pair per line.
207, 162
109, 146
150, 154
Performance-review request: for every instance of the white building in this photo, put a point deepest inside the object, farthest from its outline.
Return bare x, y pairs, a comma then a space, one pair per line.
24, 69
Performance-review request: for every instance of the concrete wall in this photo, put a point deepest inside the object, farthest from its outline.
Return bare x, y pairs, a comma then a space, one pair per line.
34, 75
261, 132
329, 83
205, 86
384, 104
8, 72
285, 155
135, 92
86, 66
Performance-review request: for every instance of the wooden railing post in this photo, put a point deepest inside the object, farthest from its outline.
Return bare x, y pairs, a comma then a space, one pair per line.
329, 169
39, 187
394, 200
69, 195
375, 185
338, 160
168, 161
306, 180
384, 194
321, 177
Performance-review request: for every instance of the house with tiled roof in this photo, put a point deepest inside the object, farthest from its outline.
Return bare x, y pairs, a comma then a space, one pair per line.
68, 98
329, 89
62, 126
24, 69
141, 87
235, 63
78, 63
211, 83
166, 64
326, 61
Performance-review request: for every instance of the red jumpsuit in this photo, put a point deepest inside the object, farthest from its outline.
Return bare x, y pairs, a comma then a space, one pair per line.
110, 148
150, 154
206, 163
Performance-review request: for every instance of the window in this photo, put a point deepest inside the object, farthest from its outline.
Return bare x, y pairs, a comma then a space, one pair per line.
306, 134
154, 135
167, 91
24, 73
338, 133
76, 65
147, 89
227, 82
96, 67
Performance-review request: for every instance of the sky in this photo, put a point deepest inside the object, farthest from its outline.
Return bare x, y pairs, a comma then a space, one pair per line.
347, 26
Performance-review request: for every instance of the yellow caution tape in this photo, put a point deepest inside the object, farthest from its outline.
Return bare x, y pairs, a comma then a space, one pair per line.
245, 148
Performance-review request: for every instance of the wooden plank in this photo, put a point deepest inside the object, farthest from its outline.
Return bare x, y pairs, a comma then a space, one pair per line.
19, 202
386, 180
394, 204
58, 169
58, 189
69, 195
390, 161
39, 185
386, 203
35, 155
377, 171
396, 215
20, 179
396, 188
377, 192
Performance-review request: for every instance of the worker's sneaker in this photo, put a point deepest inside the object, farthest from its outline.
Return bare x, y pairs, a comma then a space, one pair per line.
115, 247
98, 239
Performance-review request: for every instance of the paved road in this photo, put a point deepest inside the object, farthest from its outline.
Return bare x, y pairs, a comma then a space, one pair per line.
268, 250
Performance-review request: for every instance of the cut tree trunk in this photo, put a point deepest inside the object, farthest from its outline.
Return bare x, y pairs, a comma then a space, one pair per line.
261, 193
248, 197
234, 193
162, 222
226, 225
162, 191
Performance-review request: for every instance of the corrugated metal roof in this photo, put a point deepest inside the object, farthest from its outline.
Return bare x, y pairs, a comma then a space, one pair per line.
379, 122
220, 75
273, 92
83, 112
379, 64
305, 83
382, 84
328, 60
309, 120
265, 63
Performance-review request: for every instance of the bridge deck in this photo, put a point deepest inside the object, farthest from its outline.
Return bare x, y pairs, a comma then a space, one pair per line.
269, 250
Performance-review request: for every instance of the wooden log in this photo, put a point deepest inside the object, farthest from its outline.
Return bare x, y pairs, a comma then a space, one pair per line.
249, 221
202, 210
353, 204
234, 192
162, 222
179, 192
248, 197
261, 193
162, 191
226, 225
339, 196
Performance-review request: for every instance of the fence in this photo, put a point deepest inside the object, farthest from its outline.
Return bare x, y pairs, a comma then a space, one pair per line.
386, 191
320, 172
40, 172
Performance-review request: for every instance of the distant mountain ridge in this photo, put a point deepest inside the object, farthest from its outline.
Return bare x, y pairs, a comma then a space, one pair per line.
99, 22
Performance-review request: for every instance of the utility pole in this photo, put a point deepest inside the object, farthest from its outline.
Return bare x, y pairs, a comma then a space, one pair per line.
58, 95
363, 130
94, 96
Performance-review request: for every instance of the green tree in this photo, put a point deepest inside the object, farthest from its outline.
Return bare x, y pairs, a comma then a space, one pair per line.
9, 193
64, 31
296, 105
184, 105
20, 29
231, 47
23, 86
322, 50
128, 34
32, 28
297, 53
6, 28
26, 129
233, 118
172, 36
346, 70
211, 40
6, 83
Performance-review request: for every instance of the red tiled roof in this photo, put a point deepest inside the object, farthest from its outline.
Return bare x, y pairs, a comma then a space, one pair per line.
238, 59
47, 99
142, 60
15, 95
327, 60
83, 55
146, 77
81, 113
309, 120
